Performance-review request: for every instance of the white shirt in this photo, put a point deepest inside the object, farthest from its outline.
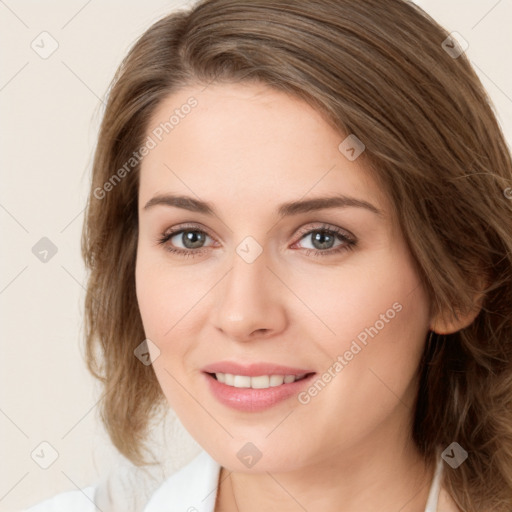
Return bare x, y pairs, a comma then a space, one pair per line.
191, 489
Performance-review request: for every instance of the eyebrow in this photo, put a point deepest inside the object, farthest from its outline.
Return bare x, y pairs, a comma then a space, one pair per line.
284, 210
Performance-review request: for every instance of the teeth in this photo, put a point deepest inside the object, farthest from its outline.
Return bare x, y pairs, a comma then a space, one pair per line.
242, 381
276, 380
259, 382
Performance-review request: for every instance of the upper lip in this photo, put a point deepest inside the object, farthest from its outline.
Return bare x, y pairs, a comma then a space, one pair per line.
253, 369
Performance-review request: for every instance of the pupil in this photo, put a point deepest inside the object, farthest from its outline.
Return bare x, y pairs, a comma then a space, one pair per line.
193, 239
321, 238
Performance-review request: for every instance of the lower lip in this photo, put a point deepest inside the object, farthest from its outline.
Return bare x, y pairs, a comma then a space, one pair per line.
254, 400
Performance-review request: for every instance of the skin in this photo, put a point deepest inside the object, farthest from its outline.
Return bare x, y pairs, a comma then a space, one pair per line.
246, 149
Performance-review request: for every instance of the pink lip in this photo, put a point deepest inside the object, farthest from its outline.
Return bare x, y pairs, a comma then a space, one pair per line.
254, 369
254, 400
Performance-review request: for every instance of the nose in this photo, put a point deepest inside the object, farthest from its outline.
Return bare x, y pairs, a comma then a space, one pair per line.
251, 301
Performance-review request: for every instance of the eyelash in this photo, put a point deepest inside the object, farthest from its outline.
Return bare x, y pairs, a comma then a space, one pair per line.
349, 242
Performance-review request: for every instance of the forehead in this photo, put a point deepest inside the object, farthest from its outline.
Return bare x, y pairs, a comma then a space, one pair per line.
242, 141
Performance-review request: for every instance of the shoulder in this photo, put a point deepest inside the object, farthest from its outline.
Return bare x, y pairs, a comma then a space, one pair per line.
193, 487
78, 501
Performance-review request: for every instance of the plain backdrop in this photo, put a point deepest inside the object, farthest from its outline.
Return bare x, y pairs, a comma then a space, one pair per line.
50, 113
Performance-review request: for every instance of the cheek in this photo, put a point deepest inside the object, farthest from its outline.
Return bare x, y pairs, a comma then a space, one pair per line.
375, 294
165, 296
373, 361
151, 298
380, 323
169, 301
159, 309
377, 313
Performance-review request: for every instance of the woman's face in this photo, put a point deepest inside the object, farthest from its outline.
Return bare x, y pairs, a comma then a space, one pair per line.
267, 284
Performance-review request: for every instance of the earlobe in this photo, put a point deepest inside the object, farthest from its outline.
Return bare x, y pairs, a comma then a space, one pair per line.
445, 323
441, 325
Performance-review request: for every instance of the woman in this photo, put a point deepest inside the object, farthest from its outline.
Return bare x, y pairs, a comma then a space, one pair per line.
299, 239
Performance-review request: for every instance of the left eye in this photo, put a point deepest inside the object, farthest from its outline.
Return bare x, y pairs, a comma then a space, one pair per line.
324, 239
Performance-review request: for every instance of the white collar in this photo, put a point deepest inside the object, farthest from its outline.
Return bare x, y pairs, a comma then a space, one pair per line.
194, 488
435, 488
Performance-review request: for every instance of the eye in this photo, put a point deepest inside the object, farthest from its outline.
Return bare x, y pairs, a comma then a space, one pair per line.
192, 240
323, 240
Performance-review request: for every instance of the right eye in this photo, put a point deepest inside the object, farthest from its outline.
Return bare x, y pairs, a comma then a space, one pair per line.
191, 238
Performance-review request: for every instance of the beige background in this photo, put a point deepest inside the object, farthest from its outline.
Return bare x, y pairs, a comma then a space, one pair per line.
50, 112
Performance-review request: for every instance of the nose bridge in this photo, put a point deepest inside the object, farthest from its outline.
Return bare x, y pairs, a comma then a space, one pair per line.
248, 279
249, 298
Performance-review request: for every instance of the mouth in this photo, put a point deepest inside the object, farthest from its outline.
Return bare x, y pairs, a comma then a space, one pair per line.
257, 387
258, 381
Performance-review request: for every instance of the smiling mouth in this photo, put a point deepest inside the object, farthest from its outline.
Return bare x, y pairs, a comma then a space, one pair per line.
257, 382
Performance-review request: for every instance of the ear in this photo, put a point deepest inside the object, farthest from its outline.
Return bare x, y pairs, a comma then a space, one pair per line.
444, 323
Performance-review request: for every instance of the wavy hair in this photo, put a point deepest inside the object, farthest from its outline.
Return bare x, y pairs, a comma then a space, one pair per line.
381, 71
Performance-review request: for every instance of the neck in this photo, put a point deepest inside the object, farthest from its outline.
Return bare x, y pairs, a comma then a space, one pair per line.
388, 481
383, 472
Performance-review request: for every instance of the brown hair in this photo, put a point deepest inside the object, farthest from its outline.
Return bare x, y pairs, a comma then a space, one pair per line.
377, 70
